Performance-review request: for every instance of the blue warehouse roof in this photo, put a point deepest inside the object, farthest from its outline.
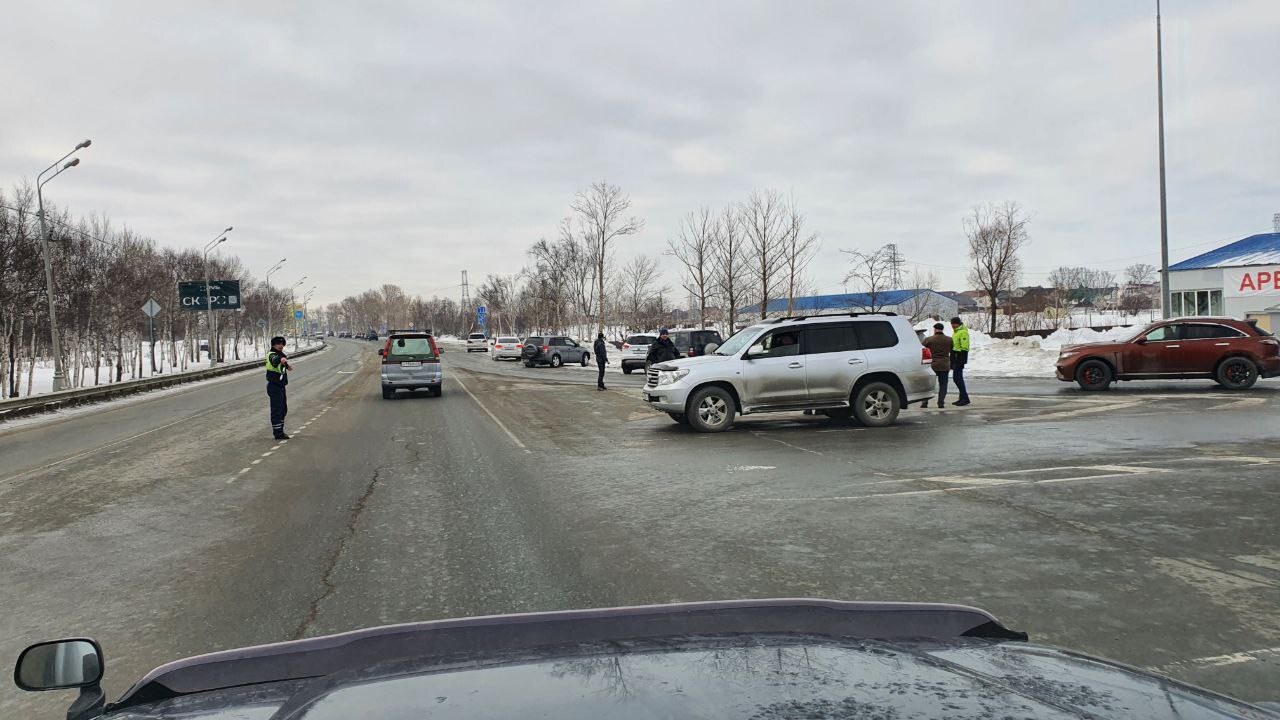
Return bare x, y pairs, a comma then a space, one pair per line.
843, 301
1263, 249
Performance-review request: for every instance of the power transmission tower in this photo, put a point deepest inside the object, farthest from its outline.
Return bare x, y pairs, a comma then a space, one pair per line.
895, 262
465, 305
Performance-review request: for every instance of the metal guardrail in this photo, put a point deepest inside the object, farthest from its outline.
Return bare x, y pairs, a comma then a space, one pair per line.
49, 402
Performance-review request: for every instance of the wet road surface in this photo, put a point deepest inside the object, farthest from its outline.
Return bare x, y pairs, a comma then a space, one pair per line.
1138, 524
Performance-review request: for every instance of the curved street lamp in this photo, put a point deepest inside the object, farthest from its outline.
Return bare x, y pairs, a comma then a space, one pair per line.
59, 376
267, 282
208, 300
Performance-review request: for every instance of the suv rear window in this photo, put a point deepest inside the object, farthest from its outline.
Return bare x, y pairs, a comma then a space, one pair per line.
1260, 330
876, 334
639, 340
535, 340
1208, 332
507, 340
476, 336
829, 339
411, 348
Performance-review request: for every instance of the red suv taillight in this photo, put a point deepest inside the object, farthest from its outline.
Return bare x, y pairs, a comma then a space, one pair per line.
926, 357
546, 348
497, 346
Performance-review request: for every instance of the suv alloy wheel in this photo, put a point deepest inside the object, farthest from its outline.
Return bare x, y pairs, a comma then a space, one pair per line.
1237, 373
711, 409
876, 404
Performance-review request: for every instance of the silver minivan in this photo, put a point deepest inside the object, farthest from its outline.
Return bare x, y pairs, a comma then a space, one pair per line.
411, 361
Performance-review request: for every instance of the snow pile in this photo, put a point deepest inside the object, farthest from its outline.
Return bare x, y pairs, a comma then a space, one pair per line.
1058, 338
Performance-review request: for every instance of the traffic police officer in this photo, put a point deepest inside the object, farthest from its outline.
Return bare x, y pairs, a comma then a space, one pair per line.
278, 368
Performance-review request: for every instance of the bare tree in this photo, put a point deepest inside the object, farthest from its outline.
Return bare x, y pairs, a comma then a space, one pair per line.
1135, 296
729, 264
600, 212
763, 219
798, 249
996, 233
639, 281
694, 246
873, 274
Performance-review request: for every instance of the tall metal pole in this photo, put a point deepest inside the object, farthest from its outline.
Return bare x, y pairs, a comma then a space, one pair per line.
267, 281
59, 377
1164, 214
208, 301
55, 344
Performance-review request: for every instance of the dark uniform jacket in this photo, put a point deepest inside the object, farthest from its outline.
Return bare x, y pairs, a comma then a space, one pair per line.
661, 351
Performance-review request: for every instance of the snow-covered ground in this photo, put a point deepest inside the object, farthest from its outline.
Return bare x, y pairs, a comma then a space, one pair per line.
42, 379
1025, 356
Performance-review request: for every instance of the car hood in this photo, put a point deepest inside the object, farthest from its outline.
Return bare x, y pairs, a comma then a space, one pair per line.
764, 659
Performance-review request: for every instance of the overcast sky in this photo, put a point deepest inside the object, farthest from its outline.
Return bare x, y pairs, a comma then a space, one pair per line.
404, 142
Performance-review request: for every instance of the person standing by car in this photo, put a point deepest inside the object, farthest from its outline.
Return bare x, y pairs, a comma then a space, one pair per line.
940, 347
662, 349
602, 356
959, 358
278, 368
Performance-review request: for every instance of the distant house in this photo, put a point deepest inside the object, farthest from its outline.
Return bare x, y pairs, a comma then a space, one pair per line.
915, 304
964, 301
1032, 299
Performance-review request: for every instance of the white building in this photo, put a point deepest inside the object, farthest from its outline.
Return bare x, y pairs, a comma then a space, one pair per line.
1240, 280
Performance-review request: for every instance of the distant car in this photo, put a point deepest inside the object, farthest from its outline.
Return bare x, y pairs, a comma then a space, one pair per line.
1235, 353
507, 346
371, 335
410, 361
692, 343
553, 350
477, 341
634, 350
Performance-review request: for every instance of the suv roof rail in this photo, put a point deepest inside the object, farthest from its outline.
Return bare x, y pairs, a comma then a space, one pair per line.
774, 321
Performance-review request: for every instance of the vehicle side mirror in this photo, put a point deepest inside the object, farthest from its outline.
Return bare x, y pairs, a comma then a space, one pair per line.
710, 348
382, 351
59, 664
1141, 341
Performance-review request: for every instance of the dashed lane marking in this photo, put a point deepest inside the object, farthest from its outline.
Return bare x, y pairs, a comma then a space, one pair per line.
1239, 404
784, 442
268, 453
255, 462
244, 470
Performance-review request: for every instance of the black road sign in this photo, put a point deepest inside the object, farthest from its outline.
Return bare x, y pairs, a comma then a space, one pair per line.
224, 294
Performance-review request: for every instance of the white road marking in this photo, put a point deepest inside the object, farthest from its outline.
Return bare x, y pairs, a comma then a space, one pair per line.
1238, 404
1078, 411
1228, 659
346, 372
745, 468
244, 470
493, 417
784, 442
255, 462
971, 481
267, 454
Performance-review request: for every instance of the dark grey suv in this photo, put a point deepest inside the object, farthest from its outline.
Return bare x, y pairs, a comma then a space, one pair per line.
553, 350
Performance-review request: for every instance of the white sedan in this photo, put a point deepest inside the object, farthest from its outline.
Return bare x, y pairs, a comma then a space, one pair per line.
506, 346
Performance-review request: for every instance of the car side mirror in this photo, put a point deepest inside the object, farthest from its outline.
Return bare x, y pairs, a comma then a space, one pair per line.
710, 348
1141, 341
382, 351
59, 664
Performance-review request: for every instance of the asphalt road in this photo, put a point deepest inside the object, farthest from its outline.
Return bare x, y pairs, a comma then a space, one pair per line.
1137, 524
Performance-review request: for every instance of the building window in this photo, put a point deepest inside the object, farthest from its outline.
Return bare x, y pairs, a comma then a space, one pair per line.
1196, 302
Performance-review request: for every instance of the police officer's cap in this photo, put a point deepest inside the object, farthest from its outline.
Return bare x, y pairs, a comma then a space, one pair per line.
277, 340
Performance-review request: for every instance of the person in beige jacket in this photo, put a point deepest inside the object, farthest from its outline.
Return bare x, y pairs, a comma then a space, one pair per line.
939, 345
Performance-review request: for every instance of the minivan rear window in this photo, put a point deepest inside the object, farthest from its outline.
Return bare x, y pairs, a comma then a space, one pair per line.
639, 340
535, 340
411, 348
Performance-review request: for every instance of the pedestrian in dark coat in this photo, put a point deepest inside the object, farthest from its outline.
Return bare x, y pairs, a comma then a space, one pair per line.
940, 347
600, 348
662, 349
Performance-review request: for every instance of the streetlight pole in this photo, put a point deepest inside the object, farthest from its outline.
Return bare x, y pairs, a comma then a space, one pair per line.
59, 376
306, 316
295, 320
1164, 214
208, 301
267, 282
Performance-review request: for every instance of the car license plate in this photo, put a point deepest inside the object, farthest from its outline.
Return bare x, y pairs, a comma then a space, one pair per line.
410, 364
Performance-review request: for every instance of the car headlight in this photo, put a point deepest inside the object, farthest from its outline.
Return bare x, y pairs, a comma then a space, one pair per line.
667, 377
1065, 355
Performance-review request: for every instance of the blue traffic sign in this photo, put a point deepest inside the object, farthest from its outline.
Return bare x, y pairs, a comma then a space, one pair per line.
297, 314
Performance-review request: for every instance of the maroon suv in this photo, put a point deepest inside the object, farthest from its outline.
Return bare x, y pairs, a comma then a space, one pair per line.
1233, 352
